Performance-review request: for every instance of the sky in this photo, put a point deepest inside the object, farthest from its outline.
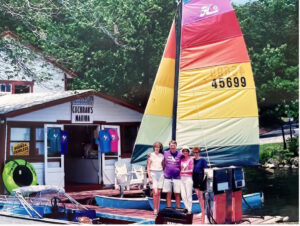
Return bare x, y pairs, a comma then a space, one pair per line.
239, 2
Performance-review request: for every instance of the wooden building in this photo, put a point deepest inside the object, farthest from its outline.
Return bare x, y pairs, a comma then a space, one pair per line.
30, 118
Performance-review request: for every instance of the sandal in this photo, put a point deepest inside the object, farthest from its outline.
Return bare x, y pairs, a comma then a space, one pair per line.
155, 212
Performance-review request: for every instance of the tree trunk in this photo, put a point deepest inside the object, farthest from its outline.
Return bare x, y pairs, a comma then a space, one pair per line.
284, 143
291, 133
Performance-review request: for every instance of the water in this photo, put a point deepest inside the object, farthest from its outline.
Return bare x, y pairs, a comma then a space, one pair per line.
280, 188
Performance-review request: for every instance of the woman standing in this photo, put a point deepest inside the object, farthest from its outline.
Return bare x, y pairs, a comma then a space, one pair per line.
198, 175
186, 172
156, 173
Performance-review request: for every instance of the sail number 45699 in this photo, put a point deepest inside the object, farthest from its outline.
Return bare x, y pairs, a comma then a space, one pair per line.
229, 82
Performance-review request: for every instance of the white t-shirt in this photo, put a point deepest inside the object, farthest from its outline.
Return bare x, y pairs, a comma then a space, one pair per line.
156, 161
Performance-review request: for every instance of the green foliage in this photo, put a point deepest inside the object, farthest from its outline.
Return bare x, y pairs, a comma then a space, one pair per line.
113, 46
293, 146
268, 151
277, 152
271, 32
116, 46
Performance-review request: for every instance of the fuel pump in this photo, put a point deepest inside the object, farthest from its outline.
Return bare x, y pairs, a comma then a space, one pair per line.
223, 195
238, 183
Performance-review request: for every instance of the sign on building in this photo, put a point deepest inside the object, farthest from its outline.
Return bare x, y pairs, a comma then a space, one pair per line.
83, 110
21, 148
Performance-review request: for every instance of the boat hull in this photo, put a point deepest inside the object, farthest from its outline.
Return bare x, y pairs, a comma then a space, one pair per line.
254, 201
123, 203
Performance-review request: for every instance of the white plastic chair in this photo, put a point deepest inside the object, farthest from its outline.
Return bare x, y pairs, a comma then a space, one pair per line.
122, 176
138, 176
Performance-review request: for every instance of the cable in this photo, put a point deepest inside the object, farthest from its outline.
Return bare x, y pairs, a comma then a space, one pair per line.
208, 210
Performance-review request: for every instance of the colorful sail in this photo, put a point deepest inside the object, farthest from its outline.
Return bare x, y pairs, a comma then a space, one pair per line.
216, 104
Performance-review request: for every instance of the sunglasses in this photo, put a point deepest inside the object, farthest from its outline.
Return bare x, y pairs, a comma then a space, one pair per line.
196, 152
185, 151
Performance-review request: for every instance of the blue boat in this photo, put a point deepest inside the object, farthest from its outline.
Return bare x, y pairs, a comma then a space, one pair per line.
45, 203
254, 200
123, 203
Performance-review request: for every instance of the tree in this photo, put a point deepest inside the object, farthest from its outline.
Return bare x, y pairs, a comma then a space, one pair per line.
271, 31
114, 46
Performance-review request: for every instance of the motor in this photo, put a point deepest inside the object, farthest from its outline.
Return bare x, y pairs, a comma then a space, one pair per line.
171, 215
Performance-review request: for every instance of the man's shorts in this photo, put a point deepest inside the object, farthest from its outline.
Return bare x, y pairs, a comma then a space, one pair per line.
172, 183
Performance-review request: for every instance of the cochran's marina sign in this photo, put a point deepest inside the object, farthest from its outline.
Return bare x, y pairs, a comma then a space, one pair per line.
82, 110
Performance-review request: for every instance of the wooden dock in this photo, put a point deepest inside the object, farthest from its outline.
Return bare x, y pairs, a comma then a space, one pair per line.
148, 215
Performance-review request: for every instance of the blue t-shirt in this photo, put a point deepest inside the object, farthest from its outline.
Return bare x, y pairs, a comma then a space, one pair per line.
200, 165
54, 140
64, 139
104, 139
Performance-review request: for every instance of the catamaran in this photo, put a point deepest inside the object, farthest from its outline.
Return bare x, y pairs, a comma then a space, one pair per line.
204, 93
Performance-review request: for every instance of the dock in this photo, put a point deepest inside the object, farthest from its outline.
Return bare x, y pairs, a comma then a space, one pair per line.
85, 198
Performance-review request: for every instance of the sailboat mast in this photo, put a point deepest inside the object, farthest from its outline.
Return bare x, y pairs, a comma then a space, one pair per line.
178, 21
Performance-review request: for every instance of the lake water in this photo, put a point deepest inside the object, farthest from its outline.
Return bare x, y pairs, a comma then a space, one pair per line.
280, 188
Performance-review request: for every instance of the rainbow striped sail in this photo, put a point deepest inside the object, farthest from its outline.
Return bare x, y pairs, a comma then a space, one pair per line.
204, 92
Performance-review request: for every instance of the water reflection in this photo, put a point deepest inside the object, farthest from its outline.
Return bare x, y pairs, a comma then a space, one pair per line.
280, 188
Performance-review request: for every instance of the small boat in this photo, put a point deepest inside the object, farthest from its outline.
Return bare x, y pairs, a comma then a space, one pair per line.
123, 203
45, 203
253, 200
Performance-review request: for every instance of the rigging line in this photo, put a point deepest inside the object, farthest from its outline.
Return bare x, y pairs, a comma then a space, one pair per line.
178, 20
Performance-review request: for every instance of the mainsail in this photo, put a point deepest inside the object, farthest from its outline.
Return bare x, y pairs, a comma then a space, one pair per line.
211, 98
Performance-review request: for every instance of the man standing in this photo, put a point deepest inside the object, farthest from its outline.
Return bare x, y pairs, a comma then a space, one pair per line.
172, 160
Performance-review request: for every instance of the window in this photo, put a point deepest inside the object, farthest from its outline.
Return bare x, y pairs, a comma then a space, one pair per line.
19, 141
25, 141
5, 88
22, 89
39, 141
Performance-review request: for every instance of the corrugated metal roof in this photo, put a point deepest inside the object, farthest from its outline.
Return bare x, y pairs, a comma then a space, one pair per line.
13, 102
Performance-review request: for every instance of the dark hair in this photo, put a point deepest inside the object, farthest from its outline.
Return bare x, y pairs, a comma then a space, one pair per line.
173, 141
160, 145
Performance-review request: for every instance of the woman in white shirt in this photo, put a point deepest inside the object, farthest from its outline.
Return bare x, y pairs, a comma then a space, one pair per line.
156, 173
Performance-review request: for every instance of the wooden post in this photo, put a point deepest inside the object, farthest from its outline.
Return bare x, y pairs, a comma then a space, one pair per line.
2, 150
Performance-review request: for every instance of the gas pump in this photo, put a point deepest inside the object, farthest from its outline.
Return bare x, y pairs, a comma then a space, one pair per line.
238, 183
223, 195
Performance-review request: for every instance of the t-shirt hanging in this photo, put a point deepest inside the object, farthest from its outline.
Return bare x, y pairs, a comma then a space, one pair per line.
64, 139
105, 139
114, 140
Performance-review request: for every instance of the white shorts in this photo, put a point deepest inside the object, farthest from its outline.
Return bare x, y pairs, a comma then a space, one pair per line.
157, 179
169, 183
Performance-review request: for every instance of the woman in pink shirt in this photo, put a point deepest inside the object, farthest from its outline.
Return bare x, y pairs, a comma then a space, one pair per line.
186, 172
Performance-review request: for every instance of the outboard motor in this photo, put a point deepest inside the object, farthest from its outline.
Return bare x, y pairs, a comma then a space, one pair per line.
171, 215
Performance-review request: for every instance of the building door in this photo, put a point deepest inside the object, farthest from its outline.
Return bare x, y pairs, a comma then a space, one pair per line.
109, 159
54, 160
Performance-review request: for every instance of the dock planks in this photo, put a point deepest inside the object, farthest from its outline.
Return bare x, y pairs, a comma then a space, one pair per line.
146, 214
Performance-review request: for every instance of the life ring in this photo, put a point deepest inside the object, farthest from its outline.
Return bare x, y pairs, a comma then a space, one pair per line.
18, 173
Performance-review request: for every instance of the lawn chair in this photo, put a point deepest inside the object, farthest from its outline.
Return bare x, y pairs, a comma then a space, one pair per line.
138, 176
122, 176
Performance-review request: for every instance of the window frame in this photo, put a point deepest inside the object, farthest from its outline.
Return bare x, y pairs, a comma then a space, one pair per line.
33, 156
6, 84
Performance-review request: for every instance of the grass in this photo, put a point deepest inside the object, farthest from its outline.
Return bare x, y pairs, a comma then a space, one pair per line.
267, 151
265, 147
